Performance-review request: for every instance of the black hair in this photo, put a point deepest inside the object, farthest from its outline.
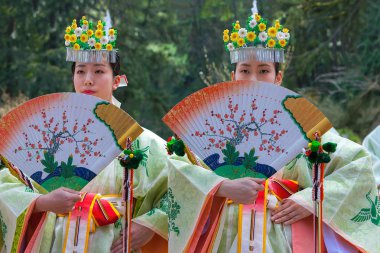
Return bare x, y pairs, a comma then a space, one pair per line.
114, 66
276, 67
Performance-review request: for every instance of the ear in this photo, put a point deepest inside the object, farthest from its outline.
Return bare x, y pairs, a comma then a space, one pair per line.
232, 75
116, 82
278, 79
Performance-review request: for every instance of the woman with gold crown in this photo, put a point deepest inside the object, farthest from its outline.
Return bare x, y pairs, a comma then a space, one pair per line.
211, 224
34, 222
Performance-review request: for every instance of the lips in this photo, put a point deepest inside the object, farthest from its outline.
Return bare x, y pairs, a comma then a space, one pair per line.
88, 92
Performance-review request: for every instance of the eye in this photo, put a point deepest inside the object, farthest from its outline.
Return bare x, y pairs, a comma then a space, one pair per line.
263, 71
79, 71
99, 71
244, 71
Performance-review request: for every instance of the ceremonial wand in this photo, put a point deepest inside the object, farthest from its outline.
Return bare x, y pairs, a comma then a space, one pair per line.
318, 157
130, 160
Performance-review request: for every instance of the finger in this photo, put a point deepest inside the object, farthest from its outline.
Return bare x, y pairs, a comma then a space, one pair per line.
70, 190
285, 218
293, 220
284, 211
257, 180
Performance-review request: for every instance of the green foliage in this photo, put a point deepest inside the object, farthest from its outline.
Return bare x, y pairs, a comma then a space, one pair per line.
230, 154
67, 169
250, 159
49, 162
170, 49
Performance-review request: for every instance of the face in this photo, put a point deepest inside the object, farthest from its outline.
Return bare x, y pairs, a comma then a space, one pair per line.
257, 71
95, 79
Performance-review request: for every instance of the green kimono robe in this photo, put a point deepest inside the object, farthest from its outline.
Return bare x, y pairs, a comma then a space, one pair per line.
17, 223
372, 143
200, 222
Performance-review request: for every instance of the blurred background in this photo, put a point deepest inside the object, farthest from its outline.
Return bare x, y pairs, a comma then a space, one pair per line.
170, 49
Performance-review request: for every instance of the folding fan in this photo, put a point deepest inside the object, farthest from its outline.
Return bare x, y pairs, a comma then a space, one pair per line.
255, 127
65, 139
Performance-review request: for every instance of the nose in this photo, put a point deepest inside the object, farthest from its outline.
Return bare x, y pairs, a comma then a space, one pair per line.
88, 81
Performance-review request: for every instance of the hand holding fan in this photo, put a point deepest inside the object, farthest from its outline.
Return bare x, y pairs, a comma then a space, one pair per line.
65, 139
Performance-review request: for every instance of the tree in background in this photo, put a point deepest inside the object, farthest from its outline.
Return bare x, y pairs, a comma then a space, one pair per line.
163, 43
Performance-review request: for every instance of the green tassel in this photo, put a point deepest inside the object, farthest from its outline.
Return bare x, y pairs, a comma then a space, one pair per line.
329, 147
133, 162
323, 158
313, 157
176, 146
315, 146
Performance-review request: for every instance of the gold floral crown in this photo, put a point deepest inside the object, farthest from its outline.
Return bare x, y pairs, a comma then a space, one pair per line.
84, 44
257, 41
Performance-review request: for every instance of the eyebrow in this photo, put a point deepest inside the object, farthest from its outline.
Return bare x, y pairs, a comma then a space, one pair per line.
264, 65
96, 65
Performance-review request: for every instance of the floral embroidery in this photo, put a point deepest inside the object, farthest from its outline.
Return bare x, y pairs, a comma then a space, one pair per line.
174, 210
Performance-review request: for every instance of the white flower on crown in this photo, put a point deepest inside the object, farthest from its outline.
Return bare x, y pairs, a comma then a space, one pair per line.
104, 40
67, 43
253, 23
263, 36
78, 31
280, 35
91, 42
84, 27
286, 36
242, 32
230, 46
112, 38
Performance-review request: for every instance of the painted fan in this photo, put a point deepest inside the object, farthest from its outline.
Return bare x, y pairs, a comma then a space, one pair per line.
65, 139
255, 127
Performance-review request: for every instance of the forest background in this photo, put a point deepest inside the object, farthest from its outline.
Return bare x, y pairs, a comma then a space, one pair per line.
172, 48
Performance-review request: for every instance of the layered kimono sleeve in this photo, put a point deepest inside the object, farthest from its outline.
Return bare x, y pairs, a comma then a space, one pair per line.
194, 212
151, 180
372, 144
351, 205
18, 224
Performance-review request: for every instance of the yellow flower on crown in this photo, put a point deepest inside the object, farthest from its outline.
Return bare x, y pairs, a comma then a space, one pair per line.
271, 43
240, 42
99, 26
111, 32
83, 17
237, 25
85, 22
234, 36
272, 32
98, 46
226, 31
90, 32
262, 27
98, 34
251, 36
67, 37
277, 24
109, 47
74, 26
76, 46
84, 38
73, 38
226, 38
68, 29
257, 17
282, 43
285, 30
